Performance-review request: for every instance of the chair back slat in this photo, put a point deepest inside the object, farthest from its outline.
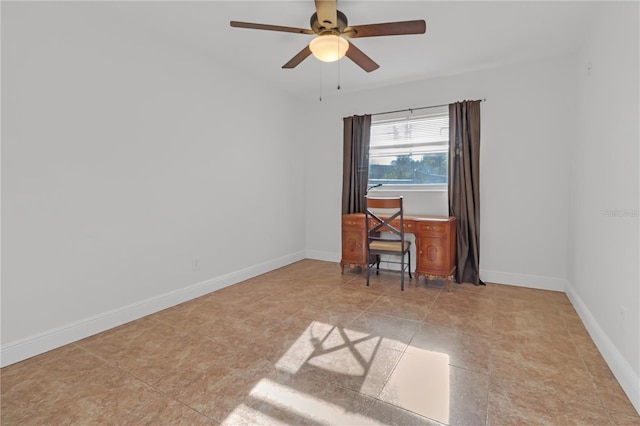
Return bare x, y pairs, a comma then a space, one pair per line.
384, 203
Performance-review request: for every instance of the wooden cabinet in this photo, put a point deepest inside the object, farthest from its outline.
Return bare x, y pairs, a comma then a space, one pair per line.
436, 248
435, 244
354, 236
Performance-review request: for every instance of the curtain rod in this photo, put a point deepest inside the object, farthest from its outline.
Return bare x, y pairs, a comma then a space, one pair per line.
413, 109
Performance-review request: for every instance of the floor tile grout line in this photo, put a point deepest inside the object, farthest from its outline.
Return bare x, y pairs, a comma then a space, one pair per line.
141, 380
586, 368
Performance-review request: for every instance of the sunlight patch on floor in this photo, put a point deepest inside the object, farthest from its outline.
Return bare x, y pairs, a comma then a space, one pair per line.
245, 415
303, 405
420, 383
332, 348
304, 346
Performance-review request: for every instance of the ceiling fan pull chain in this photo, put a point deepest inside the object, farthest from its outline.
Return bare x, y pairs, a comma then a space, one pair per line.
338, 75
320, 99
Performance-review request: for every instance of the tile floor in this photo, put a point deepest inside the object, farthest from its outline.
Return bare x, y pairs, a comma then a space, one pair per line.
307, 345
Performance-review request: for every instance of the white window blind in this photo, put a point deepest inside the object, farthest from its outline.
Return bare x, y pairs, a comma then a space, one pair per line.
409, 151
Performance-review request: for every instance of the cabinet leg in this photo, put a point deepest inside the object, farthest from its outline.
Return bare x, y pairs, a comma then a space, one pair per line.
447, 283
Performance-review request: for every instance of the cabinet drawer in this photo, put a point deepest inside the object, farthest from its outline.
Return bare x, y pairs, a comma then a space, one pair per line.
409, 226
353, 221
432, 227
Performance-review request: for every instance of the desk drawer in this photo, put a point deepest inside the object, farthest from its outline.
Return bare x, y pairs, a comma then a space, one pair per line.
353, 221
409, 225
432, 228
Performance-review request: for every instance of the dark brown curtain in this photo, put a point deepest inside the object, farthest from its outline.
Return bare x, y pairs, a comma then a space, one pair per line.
355, 169
464, 187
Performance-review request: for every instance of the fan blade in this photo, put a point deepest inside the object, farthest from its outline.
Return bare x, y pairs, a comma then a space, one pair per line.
253, 26
386, 29
301, 56
327, 11
361, 59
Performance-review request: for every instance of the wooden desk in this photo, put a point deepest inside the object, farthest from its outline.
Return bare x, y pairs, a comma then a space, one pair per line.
435, 244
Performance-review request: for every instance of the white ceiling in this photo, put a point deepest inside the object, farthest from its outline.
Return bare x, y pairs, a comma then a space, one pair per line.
461, 36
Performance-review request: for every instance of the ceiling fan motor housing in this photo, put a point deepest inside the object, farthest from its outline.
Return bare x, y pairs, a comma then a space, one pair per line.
320, 28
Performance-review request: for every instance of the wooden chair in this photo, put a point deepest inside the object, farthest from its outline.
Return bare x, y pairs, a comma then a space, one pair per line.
386, 215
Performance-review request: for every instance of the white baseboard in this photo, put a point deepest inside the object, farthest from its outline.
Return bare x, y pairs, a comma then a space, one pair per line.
523, 280
498, 277
628, 379
327, 256
42, 342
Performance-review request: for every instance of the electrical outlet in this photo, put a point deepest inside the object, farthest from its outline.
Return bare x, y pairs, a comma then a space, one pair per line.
195, 264
623, 317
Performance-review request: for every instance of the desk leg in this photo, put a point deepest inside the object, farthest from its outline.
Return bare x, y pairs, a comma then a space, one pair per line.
352, 265
427, 277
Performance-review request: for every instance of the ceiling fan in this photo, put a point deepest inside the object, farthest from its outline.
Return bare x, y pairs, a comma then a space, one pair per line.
330, 25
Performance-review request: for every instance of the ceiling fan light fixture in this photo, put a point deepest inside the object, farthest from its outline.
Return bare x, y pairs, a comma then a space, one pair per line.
329, 47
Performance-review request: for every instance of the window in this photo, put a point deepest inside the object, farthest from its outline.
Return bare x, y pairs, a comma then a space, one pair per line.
410, 151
